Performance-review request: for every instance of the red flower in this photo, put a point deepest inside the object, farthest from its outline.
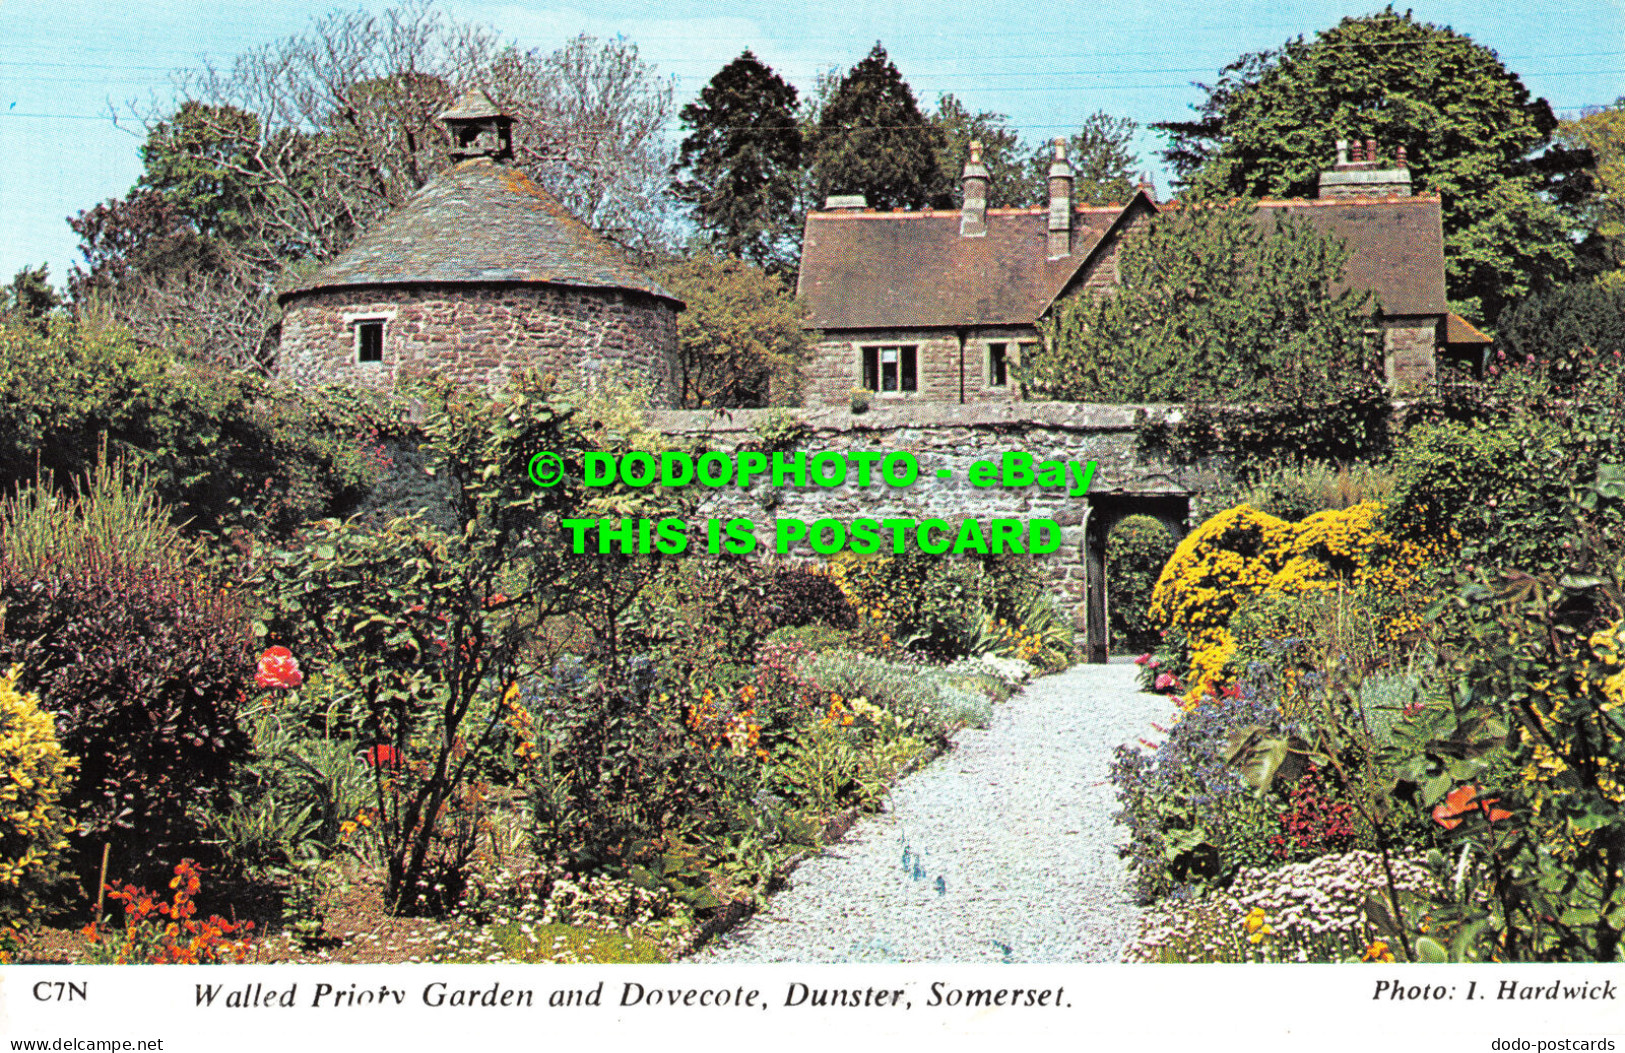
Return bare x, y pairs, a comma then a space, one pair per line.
1167, 682
1144, 658
382, 756
1462, 802
278, 668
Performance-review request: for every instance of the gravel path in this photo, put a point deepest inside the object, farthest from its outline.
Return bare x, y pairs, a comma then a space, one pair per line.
1002, 850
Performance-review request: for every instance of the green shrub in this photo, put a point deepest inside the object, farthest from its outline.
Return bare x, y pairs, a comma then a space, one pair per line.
291, 798
817, 638
142, 659
628, 762
221, 448
34, 780
1569, 330
1498, 485
1136, 551
711, 614
940, 607
829, 767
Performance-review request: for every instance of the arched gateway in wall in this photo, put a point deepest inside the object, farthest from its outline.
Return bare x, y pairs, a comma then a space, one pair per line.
1106, 510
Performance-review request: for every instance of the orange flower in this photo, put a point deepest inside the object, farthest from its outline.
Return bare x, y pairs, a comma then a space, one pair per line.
1464, 801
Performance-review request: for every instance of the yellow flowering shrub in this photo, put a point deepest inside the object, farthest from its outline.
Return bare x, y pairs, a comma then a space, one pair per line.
1551, 707
1242, 552
1233, 555
34, 777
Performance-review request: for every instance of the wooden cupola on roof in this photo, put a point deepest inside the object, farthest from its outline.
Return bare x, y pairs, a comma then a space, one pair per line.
478, 128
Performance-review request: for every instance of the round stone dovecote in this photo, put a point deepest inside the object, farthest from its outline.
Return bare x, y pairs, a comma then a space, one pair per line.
480, 275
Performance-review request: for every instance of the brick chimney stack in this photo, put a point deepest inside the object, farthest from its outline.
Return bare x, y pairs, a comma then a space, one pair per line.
1361, 174
1060, 203
975, 180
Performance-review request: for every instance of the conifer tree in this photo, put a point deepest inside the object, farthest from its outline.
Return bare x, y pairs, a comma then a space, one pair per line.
740, 166
872, 139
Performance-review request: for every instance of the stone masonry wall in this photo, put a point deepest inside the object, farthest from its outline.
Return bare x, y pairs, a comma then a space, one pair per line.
1409, 361
479, 334
952, 437
835, 368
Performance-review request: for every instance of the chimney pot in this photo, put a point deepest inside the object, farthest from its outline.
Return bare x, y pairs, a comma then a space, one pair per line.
845, 203
1371, 151
1400, 154
1060, 203
974, 181
1342, 153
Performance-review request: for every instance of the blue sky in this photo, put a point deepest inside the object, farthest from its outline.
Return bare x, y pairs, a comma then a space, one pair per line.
1045, 63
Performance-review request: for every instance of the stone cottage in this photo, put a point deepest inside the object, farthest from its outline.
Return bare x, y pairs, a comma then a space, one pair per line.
936, 306
480, 274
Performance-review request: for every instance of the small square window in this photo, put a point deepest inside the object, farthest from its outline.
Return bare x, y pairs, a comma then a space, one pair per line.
369, 340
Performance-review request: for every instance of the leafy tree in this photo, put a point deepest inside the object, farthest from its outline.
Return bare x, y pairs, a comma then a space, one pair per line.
872, 139
1467, 122
1010, 186
29, 296
743, 164
741, 341
1213, 306
1103, 161
1602, 135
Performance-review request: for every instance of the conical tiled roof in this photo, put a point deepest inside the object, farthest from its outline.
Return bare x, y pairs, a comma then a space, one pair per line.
474, 105
480, 221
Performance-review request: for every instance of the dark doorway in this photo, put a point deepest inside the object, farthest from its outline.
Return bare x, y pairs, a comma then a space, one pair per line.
1105, 510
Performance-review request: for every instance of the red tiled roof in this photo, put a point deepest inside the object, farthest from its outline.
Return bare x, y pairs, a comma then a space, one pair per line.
1458, 330
895, 270
890, 270
1395, 245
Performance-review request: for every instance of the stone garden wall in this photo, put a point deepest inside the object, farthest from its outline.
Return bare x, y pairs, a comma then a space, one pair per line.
955, 437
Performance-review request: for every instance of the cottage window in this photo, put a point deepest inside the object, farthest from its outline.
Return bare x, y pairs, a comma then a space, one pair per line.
369, 340
890, 369
998, 366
